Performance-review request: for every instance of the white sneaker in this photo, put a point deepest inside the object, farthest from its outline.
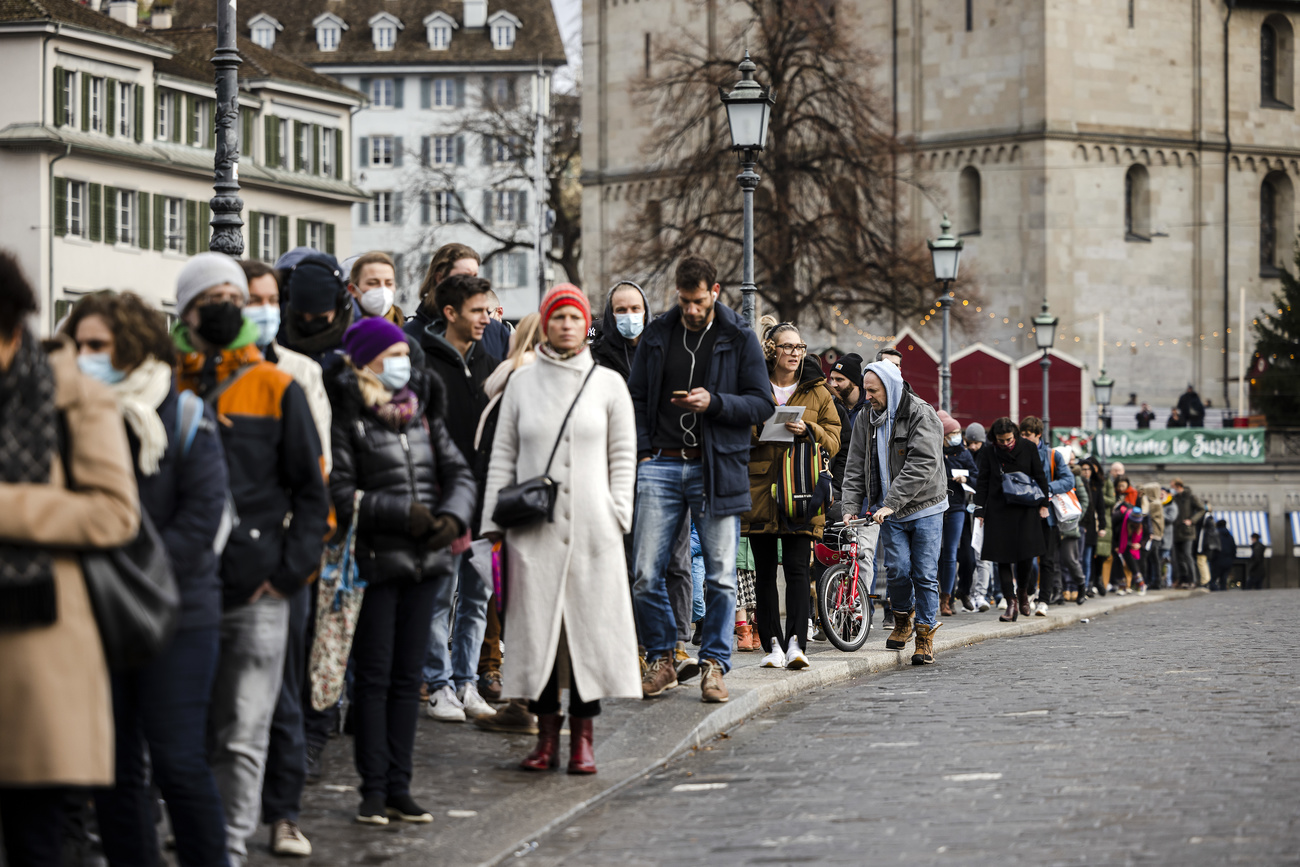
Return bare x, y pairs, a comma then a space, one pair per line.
1002, 604
474, 705
794, 657
445, 707
982, 605
775, 659
1040, 609
1142, 591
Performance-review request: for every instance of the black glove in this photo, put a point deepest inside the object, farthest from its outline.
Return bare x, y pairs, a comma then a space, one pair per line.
420, 520
446, 530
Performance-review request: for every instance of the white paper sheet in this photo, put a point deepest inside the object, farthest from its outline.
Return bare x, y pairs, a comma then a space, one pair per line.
977, 539
774, 429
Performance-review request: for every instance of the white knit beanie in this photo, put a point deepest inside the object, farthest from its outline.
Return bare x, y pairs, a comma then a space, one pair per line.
203, 272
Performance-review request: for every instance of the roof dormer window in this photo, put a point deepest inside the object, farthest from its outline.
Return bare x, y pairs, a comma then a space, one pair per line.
438, 28
329, 29
503, 26
383, 30
264, 28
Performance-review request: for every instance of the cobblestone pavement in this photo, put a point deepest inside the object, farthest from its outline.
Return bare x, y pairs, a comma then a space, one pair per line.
1164, 734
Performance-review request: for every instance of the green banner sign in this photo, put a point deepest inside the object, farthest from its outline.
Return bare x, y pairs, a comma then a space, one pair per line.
1174, 446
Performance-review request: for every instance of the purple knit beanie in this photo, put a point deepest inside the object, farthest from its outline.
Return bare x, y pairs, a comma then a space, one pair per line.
370, 337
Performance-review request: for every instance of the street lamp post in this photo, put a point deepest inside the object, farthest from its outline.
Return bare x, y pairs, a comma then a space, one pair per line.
226, 204
945, 254
1045, 337
749, 107
1101, 390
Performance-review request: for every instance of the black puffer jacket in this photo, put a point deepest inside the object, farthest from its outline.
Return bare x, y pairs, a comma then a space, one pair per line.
393, 469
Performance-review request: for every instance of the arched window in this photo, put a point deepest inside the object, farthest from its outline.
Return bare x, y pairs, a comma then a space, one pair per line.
1276, 223
1276, 62
1137, 204
968, 201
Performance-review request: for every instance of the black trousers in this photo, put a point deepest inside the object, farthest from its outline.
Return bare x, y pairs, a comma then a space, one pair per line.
1049, 565
965, 559
32, 823
388, 658
286, 755
1024, 571
549, 701
796, 554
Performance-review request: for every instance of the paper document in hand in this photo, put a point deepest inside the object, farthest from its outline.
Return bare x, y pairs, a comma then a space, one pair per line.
775, 431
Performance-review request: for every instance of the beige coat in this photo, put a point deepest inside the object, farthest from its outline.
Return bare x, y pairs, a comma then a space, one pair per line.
307, 374
573, 571
56, 717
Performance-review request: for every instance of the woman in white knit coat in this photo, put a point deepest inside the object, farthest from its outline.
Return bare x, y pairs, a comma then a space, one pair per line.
568, 607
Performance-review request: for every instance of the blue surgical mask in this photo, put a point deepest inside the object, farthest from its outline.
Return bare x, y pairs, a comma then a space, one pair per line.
397, 372
267, 319
630, 325
99, 366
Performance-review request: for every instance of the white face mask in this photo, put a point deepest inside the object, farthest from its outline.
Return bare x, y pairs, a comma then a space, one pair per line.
397, 372
375, 302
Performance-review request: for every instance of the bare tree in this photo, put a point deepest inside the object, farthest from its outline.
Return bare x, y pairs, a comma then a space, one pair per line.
826, 210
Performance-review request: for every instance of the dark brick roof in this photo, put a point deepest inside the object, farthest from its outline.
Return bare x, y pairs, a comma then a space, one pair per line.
195, 46
70, 12
538, 37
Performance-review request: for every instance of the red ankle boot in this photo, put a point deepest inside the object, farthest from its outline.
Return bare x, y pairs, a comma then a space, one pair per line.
582, 759
547, 754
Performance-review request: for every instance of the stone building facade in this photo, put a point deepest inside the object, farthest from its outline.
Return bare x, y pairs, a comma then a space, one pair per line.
1127, 159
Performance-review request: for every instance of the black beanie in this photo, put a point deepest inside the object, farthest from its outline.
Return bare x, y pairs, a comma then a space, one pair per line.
850, 367
315, 285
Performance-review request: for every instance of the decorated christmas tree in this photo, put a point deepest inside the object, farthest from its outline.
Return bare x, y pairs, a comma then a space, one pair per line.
1275, 384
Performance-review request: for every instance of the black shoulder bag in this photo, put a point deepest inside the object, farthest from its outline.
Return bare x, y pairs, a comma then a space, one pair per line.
132, 590
530, 501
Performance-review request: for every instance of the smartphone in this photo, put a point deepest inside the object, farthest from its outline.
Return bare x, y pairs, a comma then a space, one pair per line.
681, 394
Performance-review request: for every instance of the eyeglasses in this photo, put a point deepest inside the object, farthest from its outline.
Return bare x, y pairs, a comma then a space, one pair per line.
793, 348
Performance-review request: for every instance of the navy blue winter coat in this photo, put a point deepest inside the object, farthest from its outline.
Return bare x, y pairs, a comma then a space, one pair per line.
741, 398
184, 499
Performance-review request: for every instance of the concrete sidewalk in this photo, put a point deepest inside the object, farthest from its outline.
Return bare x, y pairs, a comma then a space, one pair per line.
486, 809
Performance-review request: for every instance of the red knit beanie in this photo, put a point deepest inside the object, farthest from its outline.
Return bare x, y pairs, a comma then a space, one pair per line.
561, 295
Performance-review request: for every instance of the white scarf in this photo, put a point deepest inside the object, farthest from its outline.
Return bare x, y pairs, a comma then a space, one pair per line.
139, 396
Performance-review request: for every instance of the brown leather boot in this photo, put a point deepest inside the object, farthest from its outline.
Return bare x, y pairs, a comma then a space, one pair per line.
546, 756
897, 639
746, 638
1012, 612
582, 757
945, 605
1022, 595
924, 654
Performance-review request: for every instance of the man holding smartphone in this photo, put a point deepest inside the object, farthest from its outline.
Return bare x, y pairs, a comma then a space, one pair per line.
698, 384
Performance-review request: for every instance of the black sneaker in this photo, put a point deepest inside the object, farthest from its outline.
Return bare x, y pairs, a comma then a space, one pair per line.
373, 811
313, 764
697, 635
404, 807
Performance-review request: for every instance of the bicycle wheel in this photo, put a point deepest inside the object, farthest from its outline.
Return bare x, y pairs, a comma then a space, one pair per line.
847, 625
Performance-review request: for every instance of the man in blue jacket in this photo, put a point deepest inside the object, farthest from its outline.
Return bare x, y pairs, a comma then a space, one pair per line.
698, 384
1059, 481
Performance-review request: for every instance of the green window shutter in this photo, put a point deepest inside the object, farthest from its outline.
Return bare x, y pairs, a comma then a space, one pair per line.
60, 206
85, 102
159, 223
143, 213
297, 146
302, 233
110, 105
205, 227
139, 113
284, 234
247, 121
254, 235
315, 148
268, 140
273, 158
338, 154
191, 227
329, 238
95, 213
210, 112
365, 152
157, 108
59, 104
110, 215
178, 113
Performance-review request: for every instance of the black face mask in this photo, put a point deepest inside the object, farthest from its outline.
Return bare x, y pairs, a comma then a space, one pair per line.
219, 324
310, 328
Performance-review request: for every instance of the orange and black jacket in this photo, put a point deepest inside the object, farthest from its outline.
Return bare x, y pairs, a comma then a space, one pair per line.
274, 456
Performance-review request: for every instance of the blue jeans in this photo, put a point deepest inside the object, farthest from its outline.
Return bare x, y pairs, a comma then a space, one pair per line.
666, 490
953, 525
912, 552
1088, 552
697, 578
458, 665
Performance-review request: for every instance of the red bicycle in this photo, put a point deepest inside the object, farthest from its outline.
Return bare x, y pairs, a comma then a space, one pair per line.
844, 592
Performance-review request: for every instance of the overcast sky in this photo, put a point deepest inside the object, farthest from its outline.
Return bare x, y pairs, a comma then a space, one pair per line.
569, 15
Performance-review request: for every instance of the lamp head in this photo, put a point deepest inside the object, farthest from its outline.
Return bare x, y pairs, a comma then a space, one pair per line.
1045, 329
749, 108
945, 252
1102, 387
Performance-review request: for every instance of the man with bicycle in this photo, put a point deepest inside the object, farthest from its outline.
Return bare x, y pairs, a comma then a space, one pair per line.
895, 470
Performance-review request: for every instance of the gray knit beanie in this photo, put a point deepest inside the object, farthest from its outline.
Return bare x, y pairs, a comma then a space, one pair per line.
975, 433
203, 272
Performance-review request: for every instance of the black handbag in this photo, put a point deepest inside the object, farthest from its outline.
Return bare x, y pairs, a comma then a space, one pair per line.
530, 501
1018, 488
132, 590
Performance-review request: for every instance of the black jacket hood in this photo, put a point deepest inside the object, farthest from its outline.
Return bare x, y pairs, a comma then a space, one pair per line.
610, 348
